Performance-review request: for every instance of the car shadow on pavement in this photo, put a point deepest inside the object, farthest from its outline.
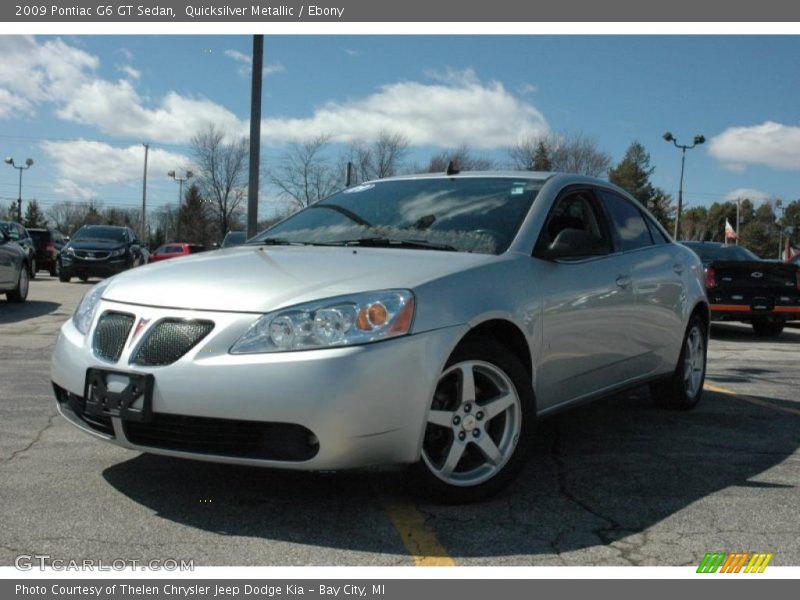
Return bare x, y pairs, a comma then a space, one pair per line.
11, 312
599, 475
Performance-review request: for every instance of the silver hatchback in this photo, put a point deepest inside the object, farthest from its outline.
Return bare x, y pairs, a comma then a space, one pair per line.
425, 320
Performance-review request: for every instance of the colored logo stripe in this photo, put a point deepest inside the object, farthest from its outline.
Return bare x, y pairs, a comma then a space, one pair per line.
734, 562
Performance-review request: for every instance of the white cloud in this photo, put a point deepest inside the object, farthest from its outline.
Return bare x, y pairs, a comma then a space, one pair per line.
749, 193
42, 72
12, 106
116, 109
770, 144
351, 52
458, 109
71, 190
130, 71
83, 162
245, 60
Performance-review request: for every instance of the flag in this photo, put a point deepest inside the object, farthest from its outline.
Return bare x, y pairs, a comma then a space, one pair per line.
730, 234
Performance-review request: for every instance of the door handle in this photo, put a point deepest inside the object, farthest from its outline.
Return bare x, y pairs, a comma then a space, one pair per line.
678, 268
623, 281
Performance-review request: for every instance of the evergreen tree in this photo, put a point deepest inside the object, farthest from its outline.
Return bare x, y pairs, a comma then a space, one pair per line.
541, 158
34, 217
194, 217
633, 175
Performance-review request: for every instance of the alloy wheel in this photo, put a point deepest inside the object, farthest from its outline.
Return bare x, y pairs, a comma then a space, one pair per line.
694, 362
473, 425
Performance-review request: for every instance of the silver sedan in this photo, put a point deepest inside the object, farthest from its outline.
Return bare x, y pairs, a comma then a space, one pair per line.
422, 320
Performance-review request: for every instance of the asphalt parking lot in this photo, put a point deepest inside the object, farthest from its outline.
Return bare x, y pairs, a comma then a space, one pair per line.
619, 482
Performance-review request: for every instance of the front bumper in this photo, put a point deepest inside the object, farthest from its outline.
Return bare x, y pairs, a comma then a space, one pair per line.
363, 405
77, 267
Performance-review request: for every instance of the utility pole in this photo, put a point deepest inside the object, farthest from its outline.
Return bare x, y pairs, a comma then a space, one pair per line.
144, 195
255, 135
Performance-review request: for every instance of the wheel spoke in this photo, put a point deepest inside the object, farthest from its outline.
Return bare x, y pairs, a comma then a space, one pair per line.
453, 456
443, 418
490, 450
467, 383
498, 405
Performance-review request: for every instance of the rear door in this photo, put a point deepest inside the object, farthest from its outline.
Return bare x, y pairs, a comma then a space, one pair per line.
655, 326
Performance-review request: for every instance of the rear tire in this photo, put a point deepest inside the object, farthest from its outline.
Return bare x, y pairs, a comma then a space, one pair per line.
768, 328
20, 293
684, 388
33, 268
480, 425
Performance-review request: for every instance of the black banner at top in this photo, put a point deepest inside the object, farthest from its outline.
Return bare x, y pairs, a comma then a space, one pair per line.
263, 11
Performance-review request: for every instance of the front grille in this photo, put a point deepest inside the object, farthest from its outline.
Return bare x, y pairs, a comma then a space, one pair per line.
91, 255
77, 405
224, 437
170, 339
110, 334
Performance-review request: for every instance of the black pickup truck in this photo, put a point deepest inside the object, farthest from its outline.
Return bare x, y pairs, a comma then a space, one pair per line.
743, 287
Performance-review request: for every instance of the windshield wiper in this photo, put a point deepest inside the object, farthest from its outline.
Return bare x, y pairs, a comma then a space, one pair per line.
381, 242
276, 242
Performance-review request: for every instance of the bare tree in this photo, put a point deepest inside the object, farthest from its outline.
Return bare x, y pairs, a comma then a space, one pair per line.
380, 158
567, 153
304, 173
462, 158
221, 174
68, 216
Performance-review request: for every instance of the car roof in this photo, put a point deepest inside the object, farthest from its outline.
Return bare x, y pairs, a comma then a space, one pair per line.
533, 175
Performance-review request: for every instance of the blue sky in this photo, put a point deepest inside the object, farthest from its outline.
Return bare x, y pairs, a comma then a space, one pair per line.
80, 106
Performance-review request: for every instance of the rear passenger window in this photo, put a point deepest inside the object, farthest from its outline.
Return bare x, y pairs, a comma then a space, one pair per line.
629, 224
655, 232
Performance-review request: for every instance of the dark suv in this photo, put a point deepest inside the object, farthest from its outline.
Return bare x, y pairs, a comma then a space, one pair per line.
100, 251
17, 233
48, 243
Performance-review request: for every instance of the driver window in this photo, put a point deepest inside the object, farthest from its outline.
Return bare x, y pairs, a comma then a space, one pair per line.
576, 211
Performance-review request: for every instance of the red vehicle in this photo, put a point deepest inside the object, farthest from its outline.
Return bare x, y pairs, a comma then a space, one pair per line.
175, 250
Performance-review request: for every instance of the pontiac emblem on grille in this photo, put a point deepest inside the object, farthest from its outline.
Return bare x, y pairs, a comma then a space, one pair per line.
140, 326
90, 254
757, 274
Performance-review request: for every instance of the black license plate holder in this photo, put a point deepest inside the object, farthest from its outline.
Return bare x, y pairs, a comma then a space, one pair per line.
102, 401
762, 304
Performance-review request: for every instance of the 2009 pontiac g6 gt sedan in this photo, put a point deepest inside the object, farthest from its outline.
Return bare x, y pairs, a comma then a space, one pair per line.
426, 320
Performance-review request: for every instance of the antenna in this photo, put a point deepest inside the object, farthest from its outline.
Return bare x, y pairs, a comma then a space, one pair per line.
451, 169
348, 180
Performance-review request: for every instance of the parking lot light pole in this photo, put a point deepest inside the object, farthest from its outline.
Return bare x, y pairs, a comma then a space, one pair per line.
180, 181
698, 139
28, 164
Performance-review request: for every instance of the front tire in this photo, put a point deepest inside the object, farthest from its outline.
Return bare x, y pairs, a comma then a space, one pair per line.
20, 293
684, 388
768, 328
480, 424
33, 268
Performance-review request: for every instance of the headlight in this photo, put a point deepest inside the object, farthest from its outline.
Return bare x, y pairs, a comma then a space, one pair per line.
85, 312
68, 251
118, 252
341, 321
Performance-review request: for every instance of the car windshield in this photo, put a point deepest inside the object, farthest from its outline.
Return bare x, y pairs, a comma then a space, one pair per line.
469, 214
114, 234
709, 252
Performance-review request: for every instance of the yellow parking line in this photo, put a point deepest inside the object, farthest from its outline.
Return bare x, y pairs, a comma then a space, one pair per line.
418, 538
758, 401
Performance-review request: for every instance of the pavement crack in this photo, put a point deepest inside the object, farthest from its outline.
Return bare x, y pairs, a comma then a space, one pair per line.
37, 437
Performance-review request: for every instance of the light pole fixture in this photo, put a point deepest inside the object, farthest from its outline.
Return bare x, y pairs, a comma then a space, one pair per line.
698, 139
187, 176
28, 164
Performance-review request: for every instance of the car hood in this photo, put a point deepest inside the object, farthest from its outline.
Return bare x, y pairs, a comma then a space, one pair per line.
260, 279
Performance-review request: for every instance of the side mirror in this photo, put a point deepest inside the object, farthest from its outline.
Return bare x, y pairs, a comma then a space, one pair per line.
574, 243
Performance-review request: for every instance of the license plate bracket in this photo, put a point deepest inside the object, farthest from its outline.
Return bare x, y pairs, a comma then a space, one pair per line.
103, 401
762, 304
